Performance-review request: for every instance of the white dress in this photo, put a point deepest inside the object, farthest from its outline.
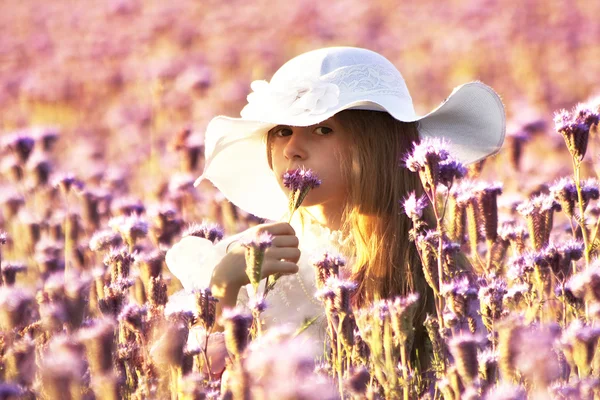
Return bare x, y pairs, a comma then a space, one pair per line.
289, 304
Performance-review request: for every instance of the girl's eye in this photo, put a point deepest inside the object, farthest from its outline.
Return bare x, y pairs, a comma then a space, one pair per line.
323, 130
281, 132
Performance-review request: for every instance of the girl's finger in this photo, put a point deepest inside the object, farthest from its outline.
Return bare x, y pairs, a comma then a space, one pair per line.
279, 267
285, 241
276, 229
283, 253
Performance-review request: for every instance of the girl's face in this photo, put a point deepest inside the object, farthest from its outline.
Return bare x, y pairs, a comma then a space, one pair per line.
317, 147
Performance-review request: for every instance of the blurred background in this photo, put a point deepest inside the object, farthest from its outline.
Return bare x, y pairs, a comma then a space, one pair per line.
128, 86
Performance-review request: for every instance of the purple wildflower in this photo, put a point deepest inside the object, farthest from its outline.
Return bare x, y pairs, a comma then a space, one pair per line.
133, 316
206, 307
300, 182
16, 305
589, 191
586, 284
327, 296
413, 206
425, 159
131, 227
572, 250
487, 198
516, 141
343, 291
127, 206
565, 192
491, 296
10, 270
237, 326
212, 232
459, 293
66, 182
451, 169
257, 304
104, 240
402, 312
429, 150
255, 254
464, 350
538, 213
327, 266
46, 135
21, 144
575, 128
301, 179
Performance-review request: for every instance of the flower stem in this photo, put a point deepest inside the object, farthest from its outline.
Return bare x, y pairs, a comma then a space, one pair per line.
581, 219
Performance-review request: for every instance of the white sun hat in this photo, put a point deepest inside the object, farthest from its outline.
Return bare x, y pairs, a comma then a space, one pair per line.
313, 87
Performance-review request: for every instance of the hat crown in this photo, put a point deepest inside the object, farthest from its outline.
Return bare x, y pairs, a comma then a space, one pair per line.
333, 78
322, 62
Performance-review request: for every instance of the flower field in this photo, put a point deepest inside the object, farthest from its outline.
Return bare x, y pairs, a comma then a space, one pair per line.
103, 106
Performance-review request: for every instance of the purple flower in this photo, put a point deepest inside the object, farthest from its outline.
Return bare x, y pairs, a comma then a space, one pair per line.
300, 182
538, 212
206, 307
66, 182
402, 313
464, 350
255, 254
257, 304
487, 197
571, 250
427, 152
343, 291
128, 205
133, 316
589, 191
237, 325
327, 266
565, 192
212, 232
413, 206
105, 240
519, 266
459, 287
450, 170
301, 179
261, 242
21, 144
131, 227
575, 128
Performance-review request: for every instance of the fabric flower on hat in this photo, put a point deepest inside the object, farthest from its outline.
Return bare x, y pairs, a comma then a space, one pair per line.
312, 97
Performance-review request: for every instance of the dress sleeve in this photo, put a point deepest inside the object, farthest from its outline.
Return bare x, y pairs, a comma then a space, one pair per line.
193, 259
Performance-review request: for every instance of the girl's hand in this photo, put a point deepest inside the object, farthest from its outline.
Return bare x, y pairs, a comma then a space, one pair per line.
282, 257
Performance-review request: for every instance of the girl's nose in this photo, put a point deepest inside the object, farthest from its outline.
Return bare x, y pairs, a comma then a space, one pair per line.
295, 148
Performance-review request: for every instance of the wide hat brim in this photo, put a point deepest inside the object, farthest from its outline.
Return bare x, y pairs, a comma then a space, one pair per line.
472, 119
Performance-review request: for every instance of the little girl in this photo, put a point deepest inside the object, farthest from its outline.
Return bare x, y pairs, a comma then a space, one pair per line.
346, 114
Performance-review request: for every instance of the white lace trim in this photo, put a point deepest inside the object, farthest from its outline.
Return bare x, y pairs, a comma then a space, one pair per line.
368, 79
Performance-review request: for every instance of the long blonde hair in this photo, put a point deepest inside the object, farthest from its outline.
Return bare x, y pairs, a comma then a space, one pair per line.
387, 263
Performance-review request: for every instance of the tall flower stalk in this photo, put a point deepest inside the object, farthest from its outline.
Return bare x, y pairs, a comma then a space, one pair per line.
431, 159
575, 129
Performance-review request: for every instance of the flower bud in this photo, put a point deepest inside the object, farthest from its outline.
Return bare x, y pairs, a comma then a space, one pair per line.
464, 350
237, 329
